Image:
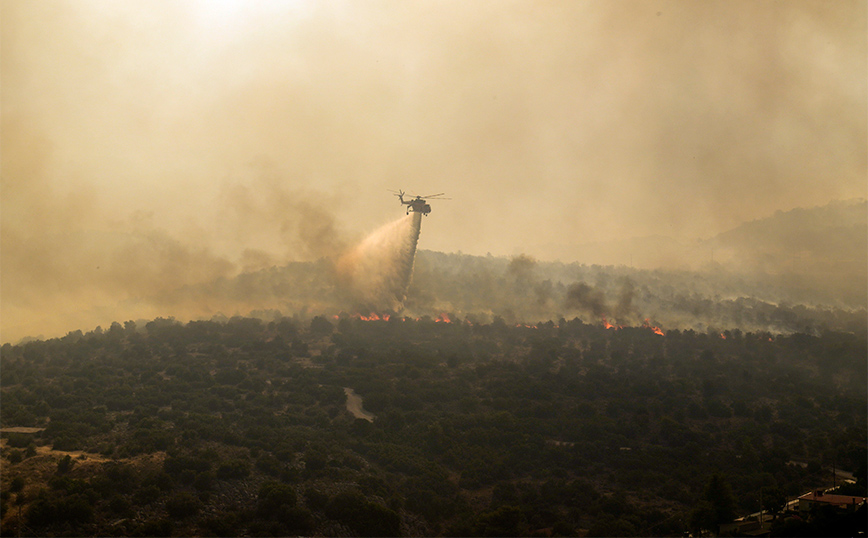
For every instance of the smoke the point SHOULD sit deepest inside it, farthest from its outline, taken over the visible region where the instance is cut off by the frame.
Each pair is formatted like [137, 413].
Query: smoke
[581, 296]
[377, 272]
[150, 147]
[624, 306]
[521, 269]
[481, 288]
[592, 300]
[71, 260]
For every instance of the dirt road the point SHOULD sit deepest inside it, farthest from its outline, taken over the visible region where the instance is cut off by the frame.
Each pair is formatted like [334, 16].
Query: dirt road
[354, 405]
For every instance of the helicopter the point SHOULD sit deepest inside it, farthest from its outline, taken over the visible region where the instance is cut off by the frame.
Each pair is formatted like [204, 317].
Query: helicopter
[418, 204]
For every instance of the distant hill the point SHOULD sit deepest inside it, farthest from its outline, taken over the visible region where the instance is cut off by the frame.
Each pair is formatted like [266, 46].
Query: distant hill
[834, 236]
[646, 252]
[823, 247]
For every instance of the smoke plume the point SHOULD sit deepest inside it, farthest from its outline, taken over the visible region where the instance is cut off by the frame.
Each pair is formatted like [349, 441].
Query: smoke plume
[581, 296]
[624, 306]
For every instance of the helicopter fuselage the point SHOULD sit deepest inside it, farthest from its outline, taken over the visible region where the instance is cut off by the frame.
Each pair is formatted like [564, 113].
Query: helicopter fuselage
[418, 206]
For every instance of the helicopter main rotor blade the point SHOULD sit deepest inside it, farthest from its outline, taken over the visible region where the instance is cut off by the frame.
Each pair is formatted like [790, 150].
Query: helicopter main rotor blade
[433, 195]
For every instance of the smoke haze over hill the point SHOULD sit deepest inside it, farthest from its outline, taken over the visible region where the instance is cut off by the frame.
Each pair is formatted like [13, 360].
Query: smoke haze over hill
[155, 152]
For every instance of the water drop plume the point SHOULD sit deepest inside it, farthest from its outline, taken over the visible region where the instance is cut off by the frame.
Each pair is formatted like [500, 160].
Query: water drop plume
[377, 272]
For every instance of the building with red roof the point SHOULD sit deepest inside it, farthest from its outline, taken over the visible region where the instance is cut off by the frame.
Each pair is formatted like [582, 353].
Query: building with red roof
[818, 498]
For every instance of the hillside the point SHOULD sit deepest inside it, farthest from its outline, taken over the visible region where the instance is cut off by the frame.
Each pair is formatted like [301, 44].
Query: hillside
[822, 247]
[243, 427]
[524, 290]
[820, 250]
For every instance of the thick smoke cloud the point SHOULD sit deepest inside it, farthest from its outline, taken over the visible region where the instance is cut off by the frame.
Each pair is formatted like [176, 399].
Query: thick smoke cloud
[154, 146]
[66, 264]
[581, 296]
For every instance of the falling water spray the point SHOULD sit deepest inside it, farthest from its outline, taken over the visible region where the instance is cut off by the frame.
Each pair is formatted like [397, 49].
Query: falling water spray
[377, 272]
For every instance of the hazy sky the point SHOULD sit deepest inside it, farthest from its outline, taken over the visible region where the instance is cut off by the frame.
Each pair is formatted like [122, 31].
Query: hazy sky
[156, 143]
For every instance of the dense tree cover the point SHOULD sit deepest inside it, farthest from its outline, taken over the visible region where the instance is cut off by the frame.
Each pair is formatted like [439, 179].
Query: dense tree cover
[241, 427]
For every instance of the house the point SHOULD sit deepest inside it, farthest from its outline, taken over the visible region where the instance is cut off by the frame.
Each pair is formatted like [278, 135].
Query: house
[818, 498]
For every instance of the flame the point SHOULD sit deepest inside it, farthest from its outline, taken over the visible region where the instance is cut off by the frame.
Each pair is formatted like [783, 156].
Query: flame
[655, 329]
[723, 336]
[443, 318]
[373, 316]
[608, 325]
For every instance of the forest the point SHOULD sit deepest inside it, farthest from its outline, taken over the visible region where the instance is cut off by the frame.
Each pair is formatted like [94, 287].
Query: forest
[241, 426]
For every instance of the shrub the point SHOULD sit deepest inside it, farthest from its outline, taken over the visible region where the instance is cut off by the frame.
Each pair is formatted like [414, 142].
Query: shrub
[15, 456]
[19, 440]
[316, 500]
[233, 469]
[46, 510]
[154, 527]
[147, 494]
[182, 505]
[273, 496]
[65, 464]
[17, 484]
[367, 518]
[121, 506]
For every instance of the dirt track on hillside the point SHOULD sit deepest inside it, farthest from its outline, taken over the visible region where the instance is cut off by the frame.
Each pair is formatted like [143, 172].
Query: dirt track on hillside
[354, 405]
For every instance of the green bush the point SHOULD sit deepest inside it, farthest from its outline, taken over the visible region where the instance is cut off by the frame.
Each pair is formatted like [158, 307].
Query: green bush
[48, 510]
[315, 500]
[365, 517]
[273, 496]
[146, 494]
[154, 527]
[15, 456]
[182, 505]
[233, 469]
[17, 484]
[121, 507]
[65, 464]
[19, 440]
